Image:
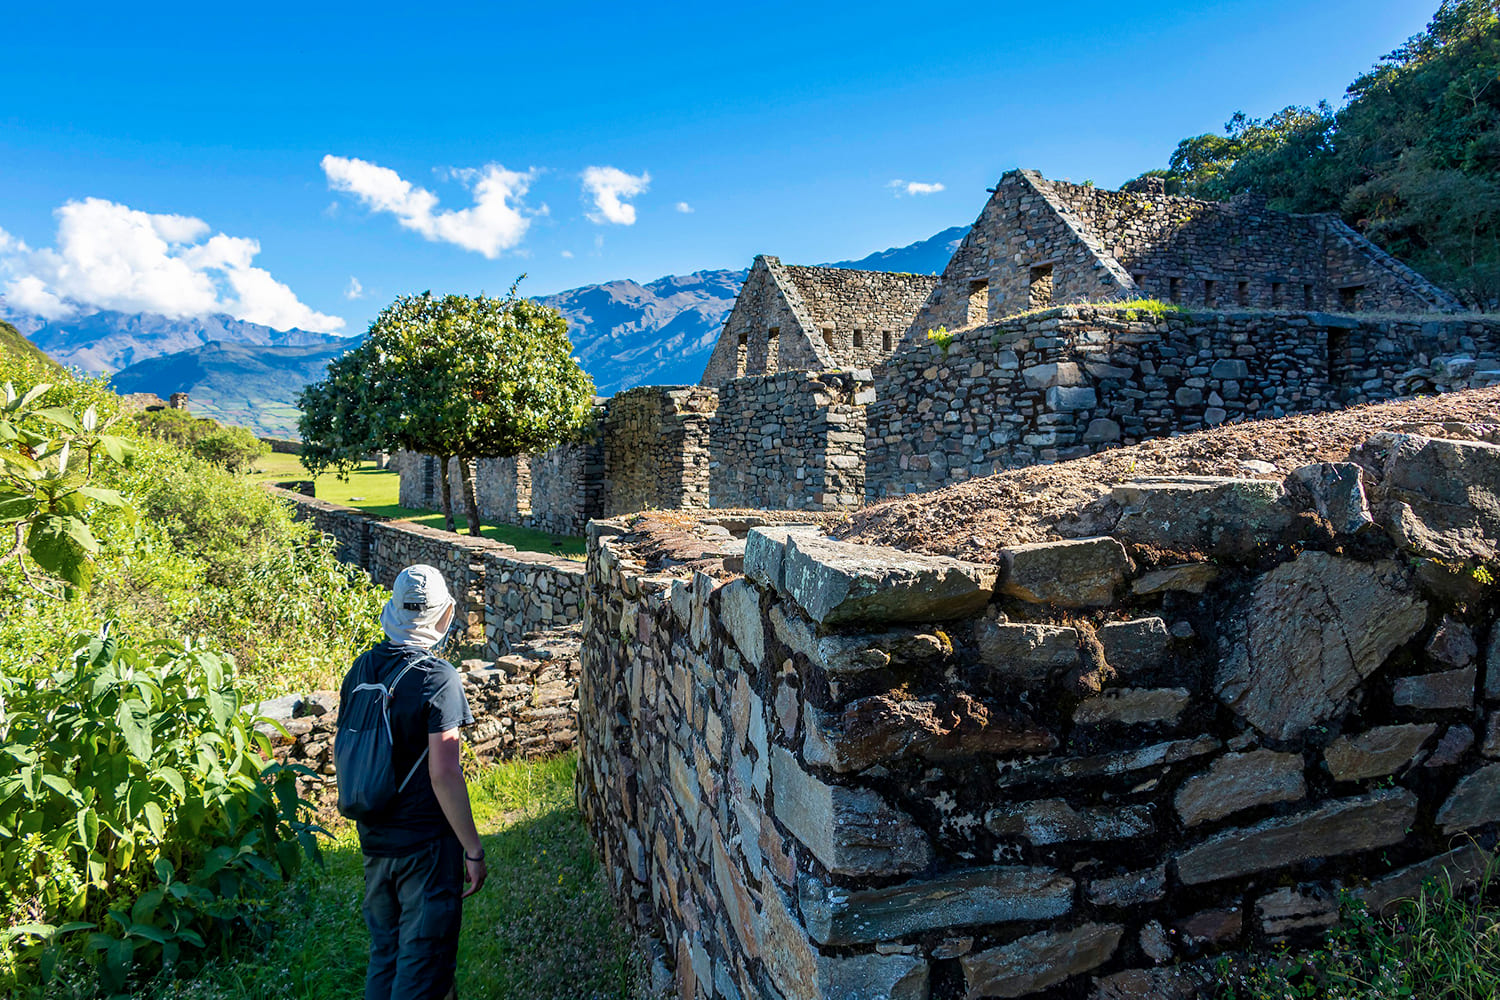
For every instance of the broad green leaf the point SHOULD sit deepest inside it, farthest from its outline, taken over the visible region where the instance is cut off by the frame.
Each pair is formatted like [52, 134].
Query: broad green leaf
[61, 416]
[37, 392]
[112, 498]
[134, 719]
[118, 449]
[88, 829]
[90, 418]
[16, 506]
[53, 546]
[173, 778]
[155, 821]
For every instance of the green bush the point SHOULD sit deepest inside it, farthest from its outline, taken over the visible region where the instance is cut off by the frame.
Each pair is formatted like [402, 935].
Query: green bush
[233, 448]
[139, 822]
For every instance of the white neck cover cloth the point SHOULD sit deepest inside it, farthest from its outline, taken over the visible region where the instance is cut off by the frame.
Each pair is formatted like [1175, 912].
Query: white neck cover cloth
[420, 609]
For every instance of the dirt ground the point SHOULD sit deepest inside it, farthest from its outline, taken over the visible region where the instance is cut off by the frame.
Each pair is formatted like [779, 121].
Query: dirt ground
[975, 519]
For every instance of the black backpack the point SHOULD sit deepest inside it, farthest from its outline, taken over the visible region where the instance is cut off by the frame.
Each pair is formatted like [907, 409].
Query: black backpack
[363, 748]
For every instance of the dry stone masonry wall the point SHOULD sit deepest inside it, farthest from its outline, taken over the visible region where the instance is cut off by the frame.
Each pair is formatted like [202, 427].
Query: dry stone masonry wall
[793, 441]
[657, 455]
[1084, 770]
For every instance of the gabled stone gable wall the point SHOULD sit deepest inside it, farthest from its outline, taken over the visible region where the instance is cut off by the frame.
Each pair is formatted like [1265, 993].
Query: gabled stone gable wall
[1388, 285]
[767, 300]
[793, 441]
[1021, 227]
[1087, 771]
[872, 303]
[1077, 380]
[656, 448]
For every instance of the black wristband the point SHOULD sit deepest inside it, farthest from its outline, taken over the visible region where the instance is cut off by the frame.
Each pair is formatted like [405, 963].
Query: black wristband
[480, 858]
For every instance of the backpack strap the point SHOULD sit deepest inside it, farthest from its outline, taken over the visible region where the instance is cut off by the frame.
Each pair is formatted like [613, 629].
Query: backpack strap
[391, 694]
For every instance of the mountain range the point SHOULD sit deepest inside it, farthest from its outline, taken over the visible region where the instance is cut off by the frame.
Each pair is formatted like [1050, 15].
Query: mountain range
[624, 334]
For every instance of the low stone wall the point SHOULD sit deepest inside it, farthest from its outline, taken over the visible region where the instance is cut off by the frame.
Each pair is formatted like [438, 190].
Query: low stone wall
[1077, 380]
[791, 441]
[656, 448]
[1087, 769]
[503, 594]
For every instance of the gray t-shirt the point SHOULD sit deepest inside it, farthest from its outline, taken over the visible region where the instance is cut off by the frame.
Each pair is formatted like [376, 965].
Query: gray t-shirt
[429, 699]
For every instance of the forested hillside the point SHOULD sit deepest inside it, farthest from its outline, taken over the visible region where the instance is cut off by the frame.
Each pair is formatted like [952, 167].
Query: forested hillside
[1412, 159]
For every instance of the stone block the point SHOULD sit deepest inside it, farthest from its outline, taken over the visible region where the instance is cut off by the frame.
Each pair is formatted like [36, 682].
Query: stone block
[1441, 498]
[852, 831]
[1030, 654]
[1376, 752]
[1210, 927]
[1033, 963]
[1131, 889]
[1214, 515]
[1188, 397]
[1191, 578]
[1475, 802]
[1310, 631]
[1135, 646]
[1338, 494]
[1170, 983]
[1463, 866]
[879, 728]
[1101, 430]
[1133, 707]
[765, 549]
[1055, 821]
[1341, 826]
[1491, 745]
[1444, 689]
[1159, 755]
[840, 583]
[989, 895]
[1230, 368]
[1069, 398]
[1240, 781]
[1452, 643]
[1451, 748]
[1081, 573]
[852, 654]
[739, 611]
[1056, 373]
[1290, 910]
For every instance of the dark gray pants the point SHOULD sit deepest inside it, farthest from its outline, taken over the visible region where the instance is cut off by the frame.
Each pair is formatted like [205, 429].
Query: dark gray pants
[413, 907]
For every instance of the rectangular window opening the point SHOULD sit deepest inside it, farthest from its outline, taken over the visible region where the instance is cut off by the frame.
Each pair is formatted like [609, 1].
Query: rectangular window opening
[885, 341]
[1242, 293]
[773, 340]
[1210, 293]
[1307, 297]
[741, 354]
[979, 301]
[1174, 289]
[828, 337]
[859, 337]
[1278, 294]
[1040, 287]
[1349, 297]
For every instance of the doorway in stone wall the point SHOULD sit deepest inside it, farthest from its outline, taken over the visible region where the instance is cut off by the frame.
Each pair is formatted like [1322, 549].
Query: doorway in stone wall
[979, 301]
[1039, 287]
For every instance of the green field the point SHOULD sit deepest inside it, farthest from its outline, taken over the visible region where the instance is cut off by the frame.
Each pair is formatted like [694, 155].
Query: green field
[378, 492]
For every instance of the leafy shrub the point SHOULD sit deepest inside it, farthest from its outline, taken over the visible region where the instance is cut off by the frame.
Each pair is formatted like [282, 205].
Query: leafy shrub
[231, 448]
[139, 822]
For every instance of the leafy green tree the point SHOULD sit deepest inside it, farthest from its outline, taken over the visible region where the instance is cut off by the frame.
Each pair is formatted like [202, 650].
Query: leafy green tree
[233, 448]
[455, 377]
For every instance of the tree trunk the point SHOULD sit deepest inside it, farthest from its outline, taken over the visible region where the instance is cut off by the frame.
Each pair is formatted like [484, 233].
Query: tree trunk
[467, 486]
[447, 492]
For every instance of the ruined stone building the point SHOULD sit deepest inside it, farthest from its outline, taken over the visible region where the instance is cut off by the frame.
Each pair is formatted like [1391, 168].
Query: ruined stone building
[1039, 243]
[793, 318]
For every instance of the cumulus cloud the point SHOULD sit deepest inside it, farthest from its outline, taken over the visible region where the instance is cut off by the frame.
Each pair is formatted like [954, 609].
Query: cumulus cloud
[914, 187]
[111, 256]
[497, 220]
[567, 254]
[355, 289]
[684, 208]
[609, 187]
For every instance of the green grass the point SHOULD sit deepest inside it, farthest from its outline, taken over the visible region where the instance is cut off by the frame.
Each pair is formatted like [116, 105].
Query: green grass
[378, 492]
[542, 928]
[14, 342]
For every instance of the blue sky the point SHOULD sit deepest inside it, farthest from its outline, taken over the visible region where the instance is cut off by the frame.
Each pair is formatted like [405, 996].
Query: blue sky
[272, 160]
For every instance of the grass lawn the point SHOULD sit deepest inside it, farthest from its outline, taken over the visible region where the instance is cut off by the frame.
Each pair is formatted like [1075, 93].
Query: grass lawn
[542, 928]
[378, 491]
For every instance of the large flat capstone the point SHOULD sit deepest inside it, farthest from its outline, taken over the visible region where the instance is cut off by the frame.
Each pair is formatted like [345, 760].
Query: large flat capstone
[1441, 498]
[841, 583]
[852, 831]
[1217, 515]
[1038, 961]
[1342, 826]
[1311, 630]
[988, 895]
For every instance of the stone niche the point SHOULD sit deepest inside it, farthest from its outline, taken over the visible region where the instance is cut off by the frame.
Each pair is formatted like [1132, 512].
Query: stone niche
[821, 770]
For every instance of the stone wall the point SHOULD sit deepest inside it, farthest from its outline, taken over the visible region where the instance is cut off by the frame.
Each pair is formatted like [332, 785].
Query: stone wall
[503, 595]
[503, 488]
[1075, 380]
[1085, 770]
[792, 441]
[859, 315]
[656, 448]
[567, 487]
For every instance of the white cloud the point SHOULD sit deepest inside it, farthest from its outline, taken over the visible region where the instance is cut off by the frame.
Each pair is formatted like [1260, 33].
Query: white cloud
[568, 254]
[608, 186]
[495, 222]
[914, 187]
[355, 289]
[684, 208]
[111, 256]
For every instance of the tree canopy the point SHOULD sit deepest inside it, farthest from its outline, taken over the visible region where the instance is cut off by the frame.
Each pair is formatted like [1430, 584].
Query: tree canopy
[1412, 159]
[456, 377]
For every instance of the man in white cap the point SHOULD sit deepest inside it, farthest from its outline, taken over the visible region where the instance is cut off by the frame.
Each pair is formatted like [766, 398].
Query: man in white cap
[422, 849]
